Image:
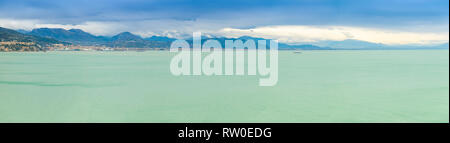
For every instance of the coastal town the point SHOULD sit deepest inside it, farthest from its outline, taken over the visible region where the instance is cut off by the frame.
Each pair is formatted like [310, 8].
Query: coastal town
[8, 46]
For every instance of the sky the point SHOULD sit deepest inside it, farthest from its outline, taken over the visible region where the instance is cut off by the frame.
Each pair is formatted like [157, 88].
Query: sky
[292, 21]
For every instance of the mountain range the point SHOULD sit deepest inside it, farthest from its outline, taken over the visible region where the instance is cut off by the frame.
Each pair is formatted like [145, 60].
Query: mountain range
[350, 44]
[124, 39]
[281, 46]
[12, 35]
[127, 39]
[20, 40]
[130, 40]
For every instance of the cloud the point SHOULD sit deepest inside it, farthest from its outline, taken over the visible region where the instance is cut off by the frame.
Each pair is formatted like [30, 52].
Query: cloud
[382, 13]
[306, 34]
[145, 28]
[18, 24]
[97, 28]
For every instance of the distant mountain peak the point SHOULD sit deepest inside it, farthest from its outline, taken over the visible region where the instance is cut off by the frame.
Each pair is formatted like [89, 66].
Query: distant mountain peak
[160, 38]
[48, 29]
[252, 38]
[126, 33]
[126, 36]
[77, 30]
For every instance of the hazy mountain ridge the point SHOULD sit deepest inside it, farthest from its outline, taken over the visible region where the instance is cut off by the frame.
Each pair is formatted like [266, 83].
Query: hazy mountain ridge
[281, 46]
[363, 45]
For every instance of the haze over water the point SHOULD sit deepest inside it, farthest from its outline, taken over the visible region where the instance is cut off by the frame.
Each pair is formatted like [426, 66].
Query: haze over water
[314, 86]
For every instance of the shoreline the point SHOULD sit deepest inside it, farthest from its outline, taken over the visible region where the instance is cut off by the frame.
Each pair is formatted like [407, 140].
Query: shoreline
[144, 50]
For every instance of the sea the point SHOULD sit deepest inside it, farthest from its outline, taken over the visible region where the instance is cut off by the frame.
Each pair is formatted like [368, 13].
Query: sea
[335, 86]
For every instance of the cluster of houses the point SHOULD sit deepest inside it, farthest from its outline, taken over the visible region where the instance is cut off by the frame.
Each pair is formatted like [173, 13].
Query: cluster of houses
[6, 46]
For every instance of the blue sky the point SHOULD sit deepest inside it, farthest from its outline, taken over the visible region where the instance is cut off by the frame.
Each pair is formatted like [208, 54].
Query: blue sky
[178, 18]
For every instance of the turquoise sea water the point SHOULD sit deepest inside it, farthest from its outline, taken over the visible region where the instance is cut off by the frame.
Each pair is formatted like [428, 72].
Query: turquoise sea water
[314, 86]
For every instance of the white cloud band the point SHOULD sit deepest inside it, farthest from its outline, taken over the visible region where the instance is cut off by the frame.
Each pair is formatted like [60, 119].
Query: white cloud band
[300, 34]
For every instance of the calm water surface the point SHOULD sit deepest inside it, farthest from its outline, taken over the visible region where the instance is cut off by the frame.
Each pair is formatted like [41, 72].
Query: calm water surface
[314, 86]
